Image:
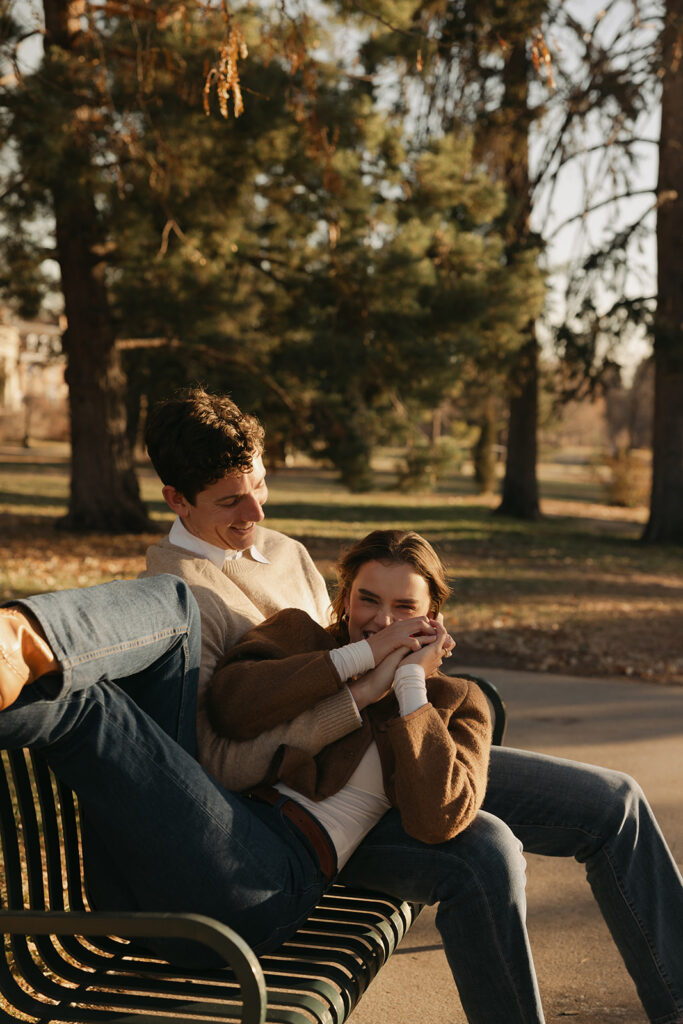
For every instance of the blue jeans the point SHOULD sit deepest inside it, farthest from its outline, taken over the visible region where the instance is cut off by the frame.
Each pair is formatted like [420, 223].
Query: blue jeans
[159, 833]
[562, 809]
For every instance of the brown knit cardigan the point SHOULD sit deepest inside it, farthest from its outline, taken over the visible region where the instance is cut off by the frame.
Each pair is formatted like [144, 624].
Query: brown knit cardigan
[434, 761]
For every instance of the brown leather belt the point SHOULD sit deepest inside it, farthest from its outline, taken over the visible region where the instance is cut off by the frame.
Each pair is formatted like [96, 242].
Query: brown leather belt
[306, 824]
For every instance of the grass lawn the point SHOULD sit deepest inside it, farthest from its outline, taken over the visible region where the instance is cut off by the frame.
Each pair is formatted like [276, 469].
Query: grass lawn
[575, 592]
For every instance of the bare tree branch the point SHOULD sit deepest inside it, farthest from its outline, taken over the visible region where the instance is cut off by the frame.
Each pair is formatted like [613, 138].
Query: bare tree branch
[607, 202]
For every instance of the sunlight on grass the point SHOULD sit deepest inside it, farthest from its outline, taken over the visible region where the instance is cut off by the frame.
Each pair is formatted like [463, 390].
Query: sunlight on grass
[561, 593]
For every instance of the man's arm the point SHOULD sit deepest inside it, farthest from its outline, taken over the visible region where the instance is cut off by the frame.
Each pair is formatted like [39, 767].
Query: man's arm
[227, 614]
[236, 764]
[239, 765]
[278, 670]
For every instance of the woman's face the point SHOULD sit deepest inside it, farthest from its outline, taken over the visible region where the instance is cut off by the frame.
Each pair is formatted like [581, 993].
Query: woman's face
[382, 593]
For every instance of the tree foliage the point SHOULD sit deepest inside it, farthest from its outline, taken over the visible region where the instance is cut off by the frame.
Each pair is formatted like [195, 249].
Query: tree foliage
[310, 255]
[343, 254]
[606, 70]
[474, 67]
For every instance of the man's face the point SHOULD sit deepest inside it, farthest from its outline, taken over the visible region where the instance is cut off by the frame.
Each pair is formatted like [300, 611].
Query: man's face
[226, 512]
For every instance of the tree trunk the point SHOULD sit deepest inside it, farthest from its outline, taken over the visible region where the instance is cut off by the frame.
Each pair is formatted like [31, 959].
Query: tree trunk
[483, 453]
[520, 485]
[666, 503]
[104, 490]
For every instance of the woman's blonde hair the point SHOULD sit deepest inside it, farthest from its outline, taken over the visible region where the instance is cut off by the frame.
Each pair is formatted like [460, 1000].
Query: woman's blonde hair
[391, 547]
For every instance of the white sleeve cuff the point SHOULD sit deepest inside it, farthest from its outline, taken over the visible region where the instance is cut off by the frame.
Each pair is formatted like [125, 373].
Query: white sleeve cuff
[410, 687]
[353, 659]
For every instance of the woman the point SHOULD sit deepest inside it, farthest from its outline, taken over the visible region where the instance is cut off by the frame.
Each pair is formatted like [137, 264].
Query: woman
[422, 739]
[471, 865]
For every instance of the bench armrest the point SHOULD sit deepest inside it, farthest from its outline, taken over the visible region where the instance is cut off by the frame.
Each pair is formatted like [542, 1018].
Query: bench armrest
[196, 927]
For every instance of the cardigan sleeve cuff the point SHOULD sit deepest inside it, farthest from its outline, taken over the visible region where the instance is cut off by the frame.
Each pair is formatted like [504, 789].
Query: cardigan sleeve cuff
[337, 716]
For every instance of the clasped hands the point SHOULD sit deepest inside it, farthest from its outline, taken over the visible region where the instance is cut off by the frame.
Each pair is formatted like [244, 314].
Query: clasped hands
[415, 641]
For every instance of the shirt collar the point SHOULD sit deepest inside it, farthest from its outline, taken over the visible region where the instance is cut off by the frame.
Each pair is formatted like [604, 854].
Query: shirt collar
[182, 538]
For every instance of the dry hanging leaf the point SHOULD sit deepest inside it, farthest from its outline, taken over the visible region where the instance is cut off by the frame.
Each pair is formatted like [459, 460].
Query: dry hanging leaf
[225, 73]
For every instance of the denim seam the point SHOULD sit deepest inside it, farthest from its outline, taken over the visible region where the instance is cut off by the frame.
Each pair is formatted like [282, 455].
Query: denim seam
[641, 928]
[186, 669]
[551, 825]
[103, 652]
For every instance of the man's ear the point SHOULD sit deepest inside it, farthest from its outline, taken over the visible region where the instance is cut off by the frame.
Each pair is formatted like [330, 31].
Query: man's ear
[177, 502]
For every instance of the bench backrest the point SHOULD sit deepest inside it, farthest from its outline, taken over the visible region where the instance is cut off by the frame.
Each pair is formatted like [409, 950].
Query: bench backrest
[40, 836]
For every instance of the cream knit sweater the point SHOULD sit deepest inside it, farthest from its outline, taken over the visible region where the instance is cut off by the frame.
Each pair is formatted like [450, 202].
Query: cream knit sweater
[231, 601]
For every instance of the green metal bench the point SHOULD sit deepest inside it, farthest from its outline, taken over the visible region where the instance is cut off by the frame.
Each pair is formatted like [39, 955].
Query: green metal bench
[63, 962]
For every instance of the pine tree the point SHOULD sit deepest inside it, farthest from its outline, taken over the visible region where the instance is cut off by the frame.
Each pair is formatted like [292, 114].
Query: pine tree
[97, 159]
[311, 256]
[471, 64]
[50, 116]
[334, 279]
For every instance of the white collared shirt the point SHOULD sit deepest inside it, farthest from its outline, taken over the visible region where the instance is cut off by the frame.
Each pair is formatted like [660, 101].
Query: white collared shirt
[182, 538]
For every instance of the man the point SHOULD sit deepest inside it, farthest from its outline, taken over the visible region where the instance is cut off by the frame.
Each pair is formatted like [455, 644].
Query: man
[209, 456]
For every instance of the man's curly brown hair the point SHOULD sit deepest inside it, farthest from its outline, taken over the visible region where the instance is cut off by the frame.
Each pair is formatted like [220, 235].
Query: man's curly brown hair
[195, 439]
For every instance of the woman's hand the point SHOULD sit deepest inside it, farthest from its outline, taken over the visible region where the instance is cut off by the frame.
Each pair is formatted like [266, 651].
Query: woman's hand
[374, 685]
[406, 634]
[431, 655]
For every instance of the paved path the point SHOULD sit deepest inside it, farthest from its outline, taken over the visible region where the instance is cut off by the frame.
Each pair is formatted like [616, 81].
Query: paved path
[634, 727]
